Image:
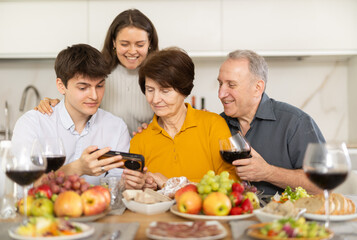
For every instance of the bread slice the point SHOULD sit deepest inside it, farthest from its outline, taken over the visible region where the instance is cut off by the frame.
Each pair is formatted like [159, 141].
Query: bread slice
[352, 207]
[158, 196]
[344, 205]
[337, 203]
[143, 197]
[130, 194]
[312, 204]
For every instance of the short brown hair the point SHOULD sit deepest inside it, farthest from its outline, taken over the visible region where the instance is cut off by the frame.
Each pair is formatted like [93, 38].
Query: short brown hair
[128, 18]
[80, 59]
[171, 67]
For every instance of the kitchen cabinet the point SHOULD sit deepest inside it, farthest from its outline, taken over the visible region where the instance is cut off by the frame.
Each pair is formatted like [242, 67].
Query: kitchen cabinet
[315, 26]
[193, 25]
[204, 28]
[40, 29]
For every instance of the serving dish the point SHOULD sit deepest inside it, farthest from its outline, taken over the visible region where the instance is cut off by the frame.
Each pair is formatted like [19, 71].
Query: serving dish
[270, 217]
[87, 231]
[333, 218]
[175, 211]
[254, 232]
[148, 209]
[222, 234]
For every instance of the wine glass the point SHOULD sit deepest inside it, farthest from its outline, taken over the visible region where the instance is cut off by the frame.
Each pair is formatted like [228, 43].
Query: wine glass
[234, 147]
[327, 166]
[53, 150]
[24, 166]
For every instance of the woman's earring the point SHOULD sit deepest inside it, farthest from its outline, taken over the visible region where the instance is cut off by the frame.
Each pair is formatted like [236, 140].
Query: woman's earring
[114, 48]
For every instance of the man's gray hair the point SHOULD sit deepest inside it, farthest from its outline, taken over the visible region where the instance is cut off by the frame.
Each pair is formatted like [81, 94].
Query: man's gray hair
[257, 64]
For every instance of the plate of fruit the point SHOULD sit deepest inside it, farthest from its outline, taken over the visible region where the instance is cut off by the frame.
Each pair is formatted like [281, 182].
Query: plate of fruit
[215, 197]
[41, 228]
[67, 196]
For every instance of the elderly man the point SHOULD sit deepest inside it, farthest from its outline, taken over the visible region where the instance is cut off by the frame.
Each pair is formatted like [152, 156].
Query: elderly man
[278, 132]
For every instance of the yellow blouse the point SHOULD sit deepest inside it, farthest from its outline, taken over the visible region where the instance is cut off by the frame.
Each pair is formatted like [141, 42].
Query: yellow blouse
[191, 153]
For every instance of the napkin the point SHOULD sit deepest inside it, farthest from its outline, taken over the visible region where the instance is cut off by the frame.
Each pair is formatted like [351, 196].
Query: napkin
[344, 230]
[238, 228]
[127, 230]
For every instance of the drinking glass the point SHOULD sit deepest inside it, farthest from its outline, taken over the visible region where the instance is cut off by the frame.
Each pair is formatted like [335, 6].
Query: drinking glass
[53, 150]
[25, 166]
[234, 147]
[327, 166]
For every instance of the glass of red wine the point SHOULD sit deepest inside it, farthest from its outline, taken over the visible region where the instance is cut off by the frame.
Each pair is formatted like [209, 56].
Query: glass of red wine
[24, 166]
[234, 147]
[53, 150]
[327, 165]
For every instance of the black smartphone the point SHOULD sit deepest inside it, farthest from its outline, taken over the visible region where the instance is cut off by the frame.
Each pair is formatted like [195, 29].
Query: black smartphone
[132, 161]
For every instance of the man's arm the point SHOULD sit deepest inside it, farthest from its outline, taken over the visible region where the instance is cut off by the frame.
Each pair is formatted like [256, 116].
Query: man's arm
[257, 169]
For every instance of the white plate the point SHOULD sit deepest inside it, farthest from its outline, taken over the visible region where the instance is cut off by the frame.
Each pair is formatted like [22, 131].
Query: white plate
[174, 210]
[333, 218]
[148, 209]
[90, 218]
[219, 236]
[87, 231]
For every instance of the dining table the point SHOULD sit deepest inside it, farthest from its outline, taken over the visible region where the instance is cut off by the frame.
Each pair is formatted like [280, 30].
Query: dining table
[133, 225]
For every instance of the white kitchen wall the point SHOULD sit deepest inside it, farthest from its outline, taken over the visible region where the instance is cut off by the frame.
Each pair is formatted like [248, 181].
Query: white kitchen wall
[318, 86]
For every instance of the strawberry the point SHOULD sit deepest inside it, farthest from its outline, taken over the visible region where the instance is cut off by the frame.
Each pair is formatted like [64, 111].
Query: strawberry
[237, 187]
[236, 198]
[247, 206]
[236, 211]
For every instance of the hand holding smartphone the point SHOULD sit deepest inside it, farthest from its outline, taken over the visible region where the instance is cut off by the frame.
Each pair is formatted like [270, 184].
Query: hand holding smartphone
[132, 161]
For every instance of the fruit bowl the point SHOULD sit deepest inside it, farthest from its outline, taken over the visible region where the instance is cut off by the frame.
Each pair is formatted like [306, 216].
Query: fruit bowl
[148, 209]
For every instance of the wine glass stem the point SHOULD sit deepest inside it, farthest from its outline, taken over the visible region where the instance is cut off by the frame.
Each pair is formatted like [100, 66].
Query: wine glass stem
[327, 208]
[25, 205]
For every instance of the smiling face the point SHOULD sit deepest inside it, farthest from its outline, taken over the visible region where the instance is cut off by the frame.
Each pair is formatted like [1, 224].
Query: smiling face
[165, 102]
[239, 91]
[83, 95]
[132, 46]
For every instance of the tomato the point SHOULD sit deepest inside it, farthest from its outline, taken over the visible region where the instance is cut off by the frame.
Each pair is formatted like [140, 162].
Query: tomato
[271, 233]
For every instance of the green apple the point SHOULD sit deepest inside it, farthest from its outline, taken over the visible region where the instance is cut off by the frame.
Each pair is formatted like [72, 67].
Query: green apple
[42, 207]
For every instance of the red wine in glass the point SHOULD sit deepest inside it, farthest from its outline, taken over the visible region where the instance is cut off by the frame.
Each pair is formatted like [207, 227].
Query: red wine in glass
[234, 147]
[54, 162]
[230, 156]
[53, 150]
[327, 166]
[24, 178]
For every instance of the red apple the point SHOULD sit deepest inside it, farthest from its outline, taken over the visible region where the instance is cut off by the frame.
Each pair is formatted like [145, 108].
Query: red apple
[189, 202]
[217, 204]
[187, 188]
[69, 204]
[93, 202]
[105, 192]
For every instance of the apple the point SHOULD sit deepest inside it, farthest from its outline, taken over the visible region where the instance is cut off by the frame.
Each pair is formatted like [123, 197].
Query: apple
[217, 204]
[42, 207]
[69, 204]
[20, 205]
[105, 192]
[93, 201]
[187, 188]
[189, 202]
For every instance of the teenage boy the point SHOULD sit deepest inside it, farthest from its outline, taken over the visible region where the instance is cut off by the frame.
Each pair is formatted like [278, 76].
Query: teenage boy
[83, 127]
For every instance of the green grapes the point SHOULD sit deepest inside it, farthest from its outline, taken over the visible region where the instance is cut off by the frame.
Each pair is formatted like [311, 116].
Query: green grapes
[211, 182]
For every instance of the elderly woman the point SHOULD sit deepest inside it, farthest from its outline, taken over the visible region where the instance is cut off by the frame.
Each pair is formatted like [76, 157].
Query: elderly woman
[180, 140]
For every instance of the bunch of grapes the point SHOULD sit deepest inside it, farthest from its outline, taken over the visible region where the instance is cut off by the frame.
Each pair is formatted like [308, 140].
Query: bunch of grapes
[214, 183]
[59, 183]
[248, 187]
